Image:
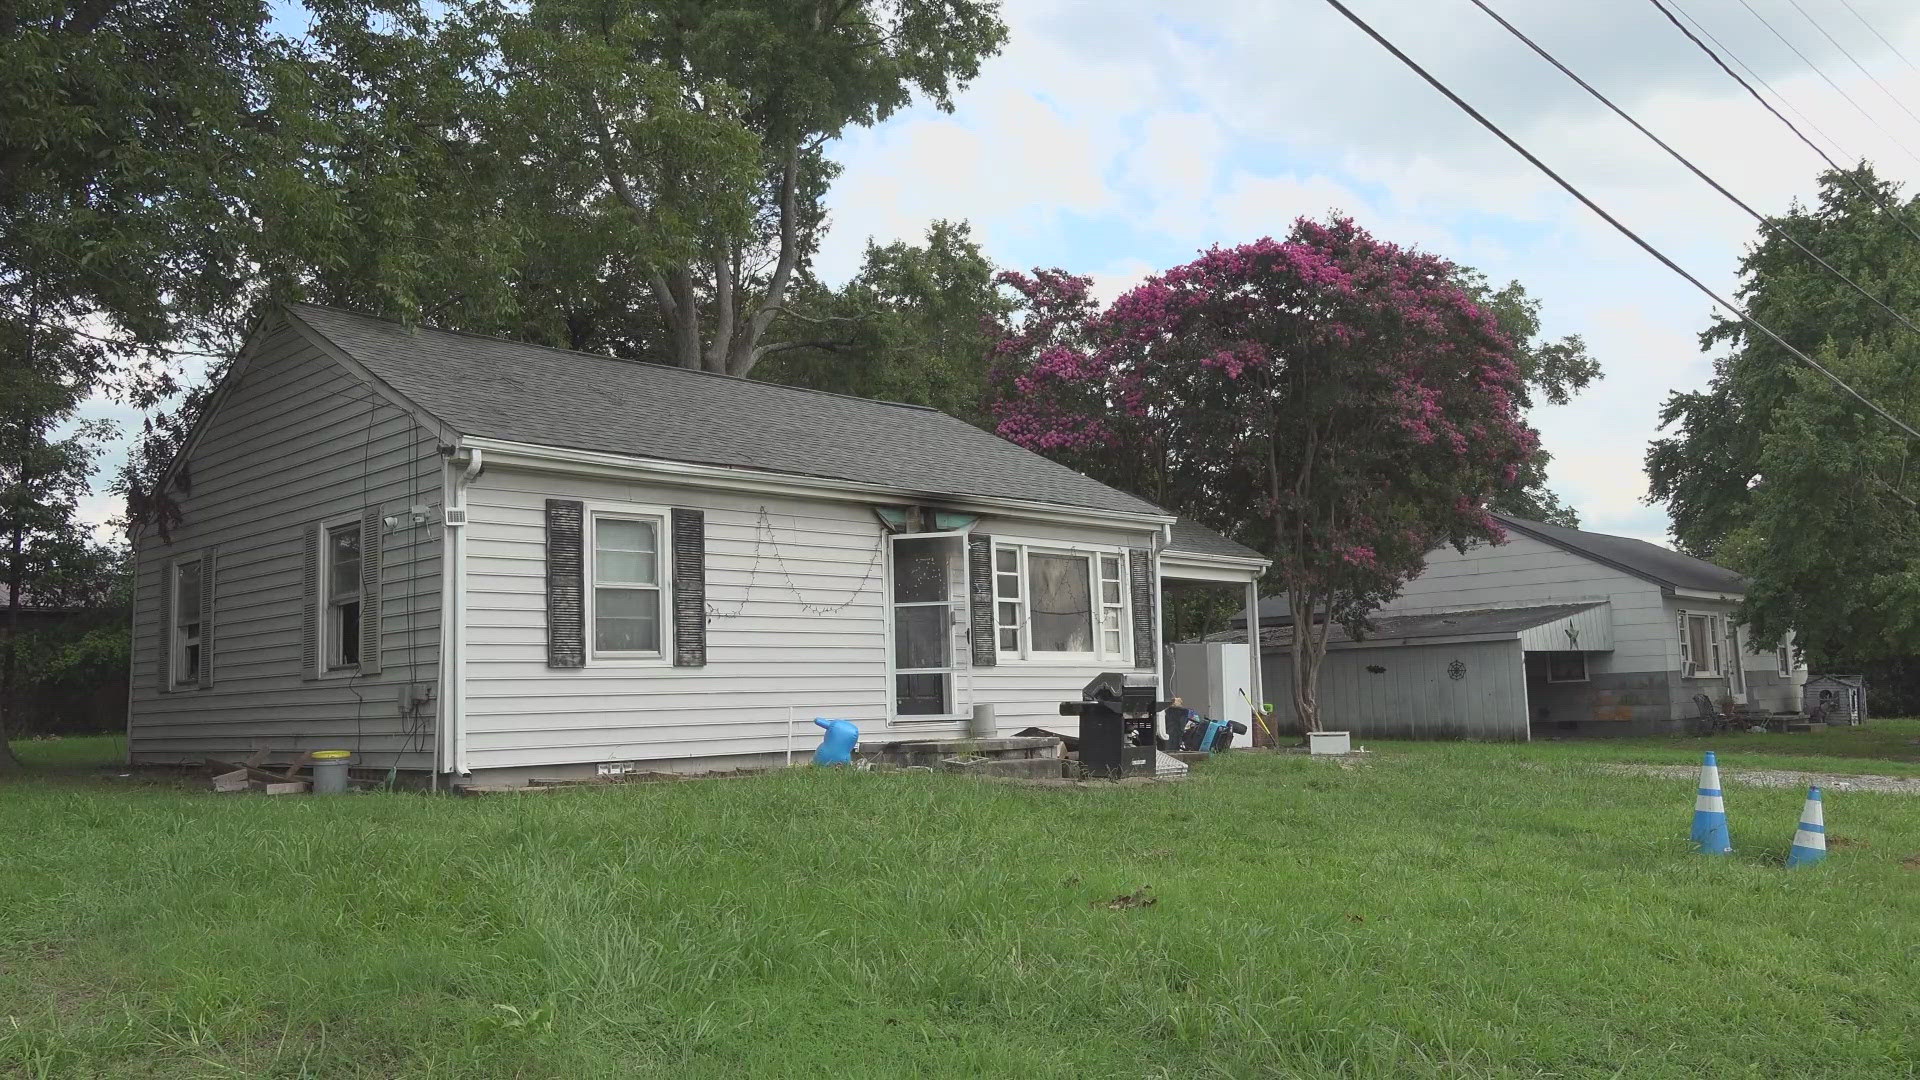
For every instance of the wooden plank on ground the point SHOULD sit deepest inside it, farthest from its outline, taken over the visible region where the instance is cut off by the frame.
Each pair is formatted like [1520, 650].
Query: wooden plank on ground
[231, 781]
[261, 775]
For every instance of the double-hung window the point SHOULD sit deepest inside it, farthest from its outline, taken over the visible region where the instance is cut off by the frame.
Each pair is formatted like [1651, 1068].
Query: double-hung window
[1053, 604]
[1783, 657]
[1113, 606]
[340, 588]
[187, 622]
[626, 576]
[1700, 646]
[1009, 606]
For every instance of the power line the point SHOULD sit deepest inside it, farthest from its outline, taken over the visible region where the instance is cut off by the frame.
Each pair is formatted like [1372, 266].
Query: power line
[1568, 187]
[1883, 38]
[1816, 69]
[1764, 221]
[1856, 63]
[1756, 77]
[1867, 190]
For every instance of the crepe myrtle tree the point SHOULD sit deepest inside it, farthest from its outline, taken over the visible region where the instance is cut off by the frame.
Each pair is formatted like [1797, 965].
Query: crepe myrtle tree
[1337, 401]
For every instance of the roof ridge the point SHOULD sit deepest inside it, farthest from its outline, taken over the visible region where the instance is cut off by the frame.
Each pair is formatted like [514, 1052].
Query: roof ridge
[615, 359]
[1581, 542]
[1662, 548]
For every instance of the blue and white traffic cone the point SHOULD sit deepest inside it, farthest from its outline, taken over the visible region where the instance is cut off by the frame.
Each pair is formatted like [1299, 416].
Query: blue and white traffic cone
[1710, 836]
[1810, 839]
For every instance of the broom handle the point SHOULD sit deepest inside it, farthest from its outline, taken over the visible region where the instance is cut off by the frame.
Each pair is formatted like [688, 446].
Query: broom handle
[1259, 717]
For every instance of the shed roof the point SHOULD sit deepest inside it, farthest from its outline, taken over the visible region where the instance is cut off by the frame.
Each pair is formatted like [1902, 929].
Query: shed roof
[1651, 562]
[495, 388]
[1477, 622]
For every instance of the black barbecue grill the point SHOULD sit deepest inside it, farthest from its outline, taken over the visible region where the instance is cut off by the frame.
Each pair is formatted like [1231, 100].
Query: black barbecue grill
[1117, 727]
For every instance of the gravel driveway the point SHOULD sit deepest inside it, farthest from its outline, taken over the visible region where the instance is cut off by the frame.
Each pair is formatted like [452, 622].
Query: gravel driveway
[1789, 778]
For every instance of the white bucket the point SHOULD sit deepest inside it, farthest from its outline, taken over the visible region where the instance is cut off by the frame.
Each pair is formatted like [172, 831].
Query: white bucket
[1330, 742]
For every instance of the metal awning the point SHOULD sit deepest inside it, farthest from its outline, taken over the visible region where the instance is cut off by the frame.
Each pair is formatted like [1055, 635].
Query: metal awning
[1583, 627]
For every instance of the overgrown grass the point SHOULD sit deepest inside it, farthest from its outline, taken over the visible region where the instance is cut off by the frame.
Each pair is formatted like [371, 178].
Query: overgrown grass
[1440, 912]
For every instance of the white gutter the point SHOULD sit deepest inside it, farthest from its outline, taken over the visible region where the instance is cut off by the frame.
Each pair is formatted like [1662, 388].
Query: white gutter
[1700, 594]
[1196, 558]
[620, 466]
[452, 744]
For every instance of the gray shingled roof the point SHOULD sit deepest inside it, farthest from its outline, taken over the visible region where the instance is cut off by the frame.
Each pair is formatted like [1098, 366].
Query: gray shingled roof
[1477, 622]
[499, 389]
[1195, 538]
[1662, 566]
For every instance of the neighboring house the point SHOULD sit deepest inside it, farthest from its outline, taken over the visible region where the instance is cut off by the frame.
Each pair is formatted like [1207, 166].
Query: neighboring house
[469, 556]
[1556, 630]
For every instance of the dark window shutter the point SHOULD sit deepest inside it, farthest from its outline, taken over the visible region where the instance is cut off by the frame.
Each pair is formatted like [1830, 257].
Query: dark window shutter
[209, 563]
[566, 586]
[689, 588]
[370, 625]
[164, 668]
[980, 627]
[310, 554]
[1146, 638]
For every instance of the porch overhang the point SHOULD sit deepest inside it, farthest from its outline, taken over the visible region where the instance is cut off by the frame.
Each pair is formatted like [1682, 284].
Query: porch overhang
[1193, 566]
[1590, 629]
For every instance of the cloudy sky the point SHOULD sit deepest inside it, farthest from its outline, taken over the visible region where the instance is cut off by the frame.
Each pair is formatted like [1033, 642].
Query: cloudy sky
[1117, 137]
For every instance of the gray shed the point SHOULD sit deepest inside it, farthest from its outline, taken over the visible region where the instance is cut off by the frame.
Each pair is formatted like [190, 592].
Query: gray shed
[1838, 699]
[1443, 674]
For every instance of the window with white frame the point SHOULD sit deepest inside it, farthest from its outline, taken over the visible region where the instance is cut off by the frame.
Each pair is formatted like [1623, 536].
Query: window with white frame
[1565, 667]
[1009, 609]
[1783, 658]
[1113, 606]
[340, 588]
[1051, 603]
[1059, 603]
[187, 622]
[626, 576]
[1700, 645]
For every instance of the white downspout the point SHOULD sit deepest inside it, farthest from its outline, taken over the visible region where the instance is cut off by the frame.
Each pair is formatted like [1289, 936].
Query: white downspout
[1257, 677]
[133, 644]
[453, 630]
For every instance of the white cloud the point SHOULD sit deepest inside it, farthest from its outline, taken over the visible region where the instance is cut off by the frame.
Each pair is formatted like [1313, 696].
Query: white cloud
[1116, 139]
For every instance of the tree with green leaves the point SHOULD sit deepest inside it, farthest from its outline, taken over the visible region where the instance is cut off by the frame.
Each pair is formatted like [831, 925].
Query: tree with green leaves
[685, 142]
[1553, 370]
[1773, 472]
[917, 325]
[47, 557]
[128, 134]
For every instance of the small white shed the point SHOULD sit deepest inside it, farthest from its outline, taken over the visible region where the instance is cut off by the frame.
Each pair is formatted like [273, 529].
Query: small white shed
[1837, 699]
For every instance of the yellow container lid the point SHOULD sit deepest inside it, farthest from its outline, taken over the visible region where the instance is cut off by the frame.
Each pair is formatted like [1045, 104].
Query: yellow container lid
[330, 755]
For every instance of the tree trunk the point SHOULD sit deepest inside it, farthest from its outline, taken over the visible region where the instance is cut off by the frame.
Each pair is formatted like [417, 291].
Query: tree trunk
[1309, 649]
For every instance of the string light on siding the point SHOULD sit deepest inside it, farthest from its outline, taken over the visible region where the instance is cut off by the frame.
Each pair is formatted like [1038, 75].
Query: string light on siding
[766, 540]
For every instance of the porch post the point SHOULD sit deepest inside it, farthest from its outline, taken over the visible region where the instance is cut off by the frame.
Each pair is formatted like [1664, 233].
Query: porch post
[1256, 690]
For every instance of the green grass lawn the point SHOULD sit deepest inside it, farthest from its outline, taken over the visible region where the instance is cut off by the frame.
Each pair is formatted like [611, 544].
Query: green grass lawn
[1449, 910]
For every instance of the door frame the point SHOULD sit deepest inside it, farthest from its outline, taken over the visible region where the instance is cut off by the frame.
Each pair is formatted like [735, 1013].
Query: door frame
[960, 656]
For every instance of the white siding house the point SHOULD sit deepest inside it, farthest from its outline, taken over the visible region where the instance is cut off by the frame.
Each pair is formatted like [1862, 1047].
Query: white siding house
[1656, 631]
[470, 557]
